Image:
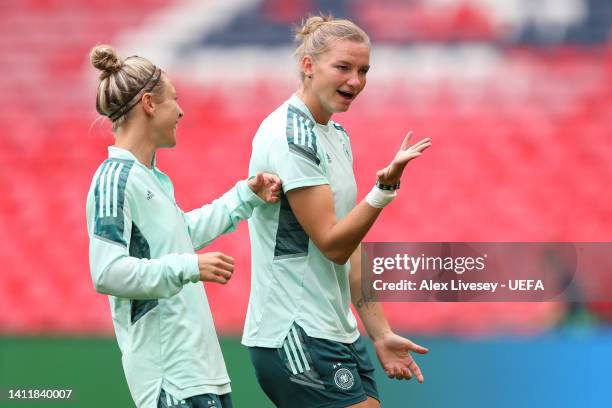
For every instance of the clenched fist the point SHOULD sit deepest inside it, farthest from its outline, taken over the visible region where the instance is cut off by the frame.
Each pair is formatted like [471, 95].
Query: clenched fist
[215, 267]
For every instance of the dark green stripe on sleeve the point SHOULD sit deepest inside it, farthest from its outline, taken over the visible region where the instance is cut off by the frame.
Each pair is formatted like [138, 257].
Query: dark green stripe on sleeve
[301, 137]
[139, 248]
[109, 194]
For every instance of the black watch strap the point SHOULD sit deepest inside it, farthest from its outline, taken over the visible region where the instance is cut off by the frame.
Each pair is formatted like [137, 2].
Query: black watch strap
[389, 187]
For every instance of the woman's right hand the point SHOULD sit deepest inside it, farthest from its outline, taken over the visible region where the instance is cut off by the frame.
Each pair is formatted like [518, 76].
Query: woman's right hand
[215, 267]
[393, 172]
[267, 186]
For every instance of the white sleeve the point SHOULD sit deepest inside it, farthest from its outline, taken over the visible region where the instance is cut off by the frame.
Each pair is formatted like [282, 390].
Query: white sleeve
[113, 271]
[135, 278]
[222, 215]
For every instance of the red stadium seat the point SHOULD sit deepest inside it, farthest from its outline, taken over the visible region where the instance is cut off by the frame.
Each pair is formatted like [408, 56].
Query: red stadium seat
[522, 154]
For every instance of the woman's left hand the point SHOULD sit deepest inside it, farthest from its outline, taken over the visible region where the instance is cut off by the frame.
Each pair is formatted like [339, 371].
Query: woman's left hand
[267, 186]
[393, 352]
[393, 172]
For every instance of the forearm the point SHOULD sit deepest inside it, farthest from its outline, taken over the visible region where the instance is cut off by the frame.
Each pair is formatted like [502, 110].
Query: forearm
[373, 319]
[344, 236]
[135, 278]
[337, 239]
[369, 311]
[222, 215]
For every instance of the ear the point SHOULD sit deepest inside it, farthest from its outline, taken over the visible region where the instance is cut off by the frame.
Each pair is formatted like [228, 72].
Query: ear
[147, 103]
[307, 63]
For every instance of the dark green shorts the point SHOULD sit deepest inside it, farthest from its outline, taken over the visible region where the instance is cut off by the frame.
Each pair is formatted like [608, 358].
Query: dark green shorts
[311, 372]
[197, 401]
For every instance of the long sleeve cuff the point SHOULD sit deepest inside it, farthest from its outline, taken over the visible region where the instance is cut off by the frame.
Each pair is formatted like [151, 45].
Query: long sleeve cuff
[247, 195]
[193, 267]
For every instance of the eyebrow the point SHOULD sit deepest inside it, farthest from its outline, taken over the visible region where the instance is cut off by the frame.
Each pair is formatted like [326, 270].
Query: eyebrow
[348, 63]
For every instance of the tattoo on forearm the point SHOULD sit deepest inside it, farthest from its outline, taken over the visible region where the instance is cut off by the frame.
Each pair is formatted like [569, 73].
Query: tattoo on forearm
[366, 296]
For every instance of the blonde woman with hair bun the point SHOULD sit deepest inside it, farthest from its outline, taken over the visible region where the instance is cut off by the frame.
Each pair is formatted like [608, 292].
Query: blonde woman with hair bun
[306, 255]
[143, 247]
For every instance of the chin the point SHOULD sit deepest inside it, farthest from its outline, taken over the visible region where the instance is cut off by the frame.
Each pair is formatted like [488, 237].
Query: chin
[342, 108]
[169, 143]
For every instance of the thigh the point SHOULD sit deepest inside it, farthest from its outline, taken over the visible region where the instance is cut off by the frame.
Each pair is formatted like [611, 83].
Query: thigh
[308, 372]
[211, 401]
[365, 368]
[369, 403]
[166, 400]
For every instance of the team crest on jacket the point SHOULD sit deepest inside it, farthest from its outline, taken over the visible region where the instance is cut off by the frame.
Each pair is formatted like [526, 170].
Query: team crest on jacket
[344, 379]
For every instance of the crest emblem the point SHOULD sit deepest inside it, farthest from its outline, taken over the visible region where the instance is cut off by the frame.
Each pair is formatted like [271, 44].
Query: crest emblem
[344, 379]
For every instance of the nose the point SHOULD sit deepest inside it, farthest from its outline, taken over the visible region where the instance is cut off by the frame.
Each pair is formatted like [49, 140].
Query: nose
[354, 80]
[181, 114]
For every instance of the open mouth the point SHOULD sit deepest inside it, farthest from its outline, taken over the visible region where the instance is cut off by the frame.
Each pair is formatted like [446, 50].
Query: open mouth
[349, 96]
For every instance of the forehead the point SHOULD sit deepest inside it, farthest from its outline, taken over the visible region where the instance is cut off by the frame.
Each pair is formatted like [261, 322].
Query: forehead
[168, 88]
[350, 51]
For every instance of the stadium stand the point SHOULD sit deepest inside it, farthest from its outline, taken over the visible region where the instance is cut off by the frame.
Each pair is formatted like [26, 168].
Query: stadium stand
[521, 120]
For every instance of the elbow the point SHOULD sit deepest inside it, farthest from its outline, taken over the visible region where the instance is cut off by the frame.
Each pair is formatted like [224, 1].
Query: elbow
[334, 250]
[341, 260]
[337, 256]
[101, 287]
[101, 284]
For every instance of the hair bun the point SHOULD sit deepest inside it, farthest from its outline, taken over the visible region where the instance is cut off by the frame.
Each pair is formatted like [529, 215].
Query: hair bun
[104, 58]
[311, 24]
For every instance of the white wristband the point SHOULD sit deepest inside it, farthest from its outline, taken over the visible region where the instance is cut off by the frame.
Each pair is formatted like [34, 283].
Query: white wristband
[378, 198]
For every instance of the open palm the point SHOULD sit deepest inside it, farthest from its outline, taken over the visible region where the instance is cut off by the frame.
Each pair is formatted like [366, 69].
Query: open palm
[393, 352]
[393, 172]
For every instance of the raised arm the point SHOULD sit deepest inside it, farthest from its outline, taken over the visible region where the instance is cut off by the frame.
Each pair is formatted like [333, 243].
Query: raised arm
[314, 209]
[223, 214]
[337, 240]
[119, 256]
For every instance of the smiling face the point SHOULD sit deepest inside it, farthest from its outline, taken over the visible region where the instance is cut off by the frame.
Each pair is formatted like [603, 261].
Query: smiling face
[167, 115]
[335, 78]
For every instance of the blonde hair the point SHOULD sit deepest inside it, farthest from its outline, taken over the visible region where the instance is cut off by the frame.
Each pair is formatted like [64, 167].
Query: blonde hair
[122, 82]
[316, 34]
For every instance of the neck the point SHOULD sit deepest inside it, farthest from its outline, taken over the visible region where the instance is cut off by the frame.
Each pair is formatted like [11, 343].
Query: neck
[317, 111]
[136, 143]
